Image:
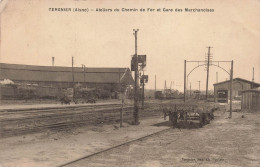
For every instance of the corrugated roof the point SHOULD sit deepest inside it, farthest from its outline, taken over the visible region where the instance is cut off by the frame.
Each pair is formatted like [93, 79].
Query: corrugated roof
[19, 72]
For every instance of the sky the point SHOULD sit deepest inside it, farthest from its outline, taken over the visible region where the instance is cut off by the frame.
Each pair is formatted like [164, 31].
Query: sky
[31, 34]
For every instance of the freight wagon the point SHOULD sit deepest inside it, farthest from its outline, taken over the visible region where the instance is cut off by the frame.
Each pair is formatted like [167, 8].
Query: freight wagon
[192, 112]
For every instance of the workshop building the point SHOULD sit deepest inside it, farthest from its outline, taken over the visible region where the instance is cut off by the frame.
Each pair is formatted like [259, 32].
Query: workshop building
[65, 77]
[222, 89]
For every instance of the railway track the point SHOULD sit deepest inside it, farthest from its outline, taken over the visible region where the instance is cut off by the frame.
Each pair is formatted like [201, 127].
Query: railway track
[114, 147]
[52, 112]
[103, 155]
[43, 120]
[175, 136]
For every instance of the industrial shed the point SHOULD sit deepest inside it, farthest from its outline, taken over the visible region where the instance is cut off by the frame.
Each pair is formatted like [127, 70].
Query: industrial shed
[62, 77]
[222, 89]
[251, 100]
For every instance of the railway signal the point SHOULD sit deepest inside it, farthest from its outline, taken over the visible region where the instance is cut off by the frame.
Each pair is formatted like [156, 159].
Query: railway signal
[141, 61]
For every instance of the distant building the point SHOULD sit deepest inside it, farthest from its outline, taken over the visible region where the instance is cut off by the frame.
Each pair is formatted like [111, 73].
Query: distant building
[62, 77]
[222, 89]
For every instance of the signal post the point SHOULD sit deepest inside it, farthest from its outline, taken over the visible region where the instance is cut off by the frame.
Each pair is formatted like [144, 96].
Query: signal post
[136, 59]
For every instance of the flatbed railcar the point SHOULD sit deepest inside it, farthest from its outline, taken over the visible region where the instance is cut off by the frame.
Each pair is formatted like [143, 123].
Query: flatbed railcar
[203, 113]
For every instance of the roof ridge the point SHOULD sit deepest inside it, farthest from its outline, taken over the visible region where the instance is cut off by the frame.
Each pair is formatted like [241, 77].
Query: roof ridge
[238, 78]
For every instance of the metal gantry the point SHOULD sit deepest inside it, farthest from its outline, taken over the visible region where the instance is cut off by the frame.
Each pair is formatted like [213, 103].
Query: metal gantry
[199, 65]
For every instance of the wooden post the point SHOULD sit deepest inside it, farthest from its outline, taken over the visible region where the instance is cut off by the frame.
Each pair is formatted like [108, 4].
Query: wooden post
[143, 91]
[122, 107]
[121, 113]
[174, 116]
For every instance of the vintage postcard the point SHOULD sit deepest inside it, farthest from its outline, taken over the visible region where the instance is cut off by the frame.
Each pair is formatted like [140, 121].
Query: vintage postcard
[129, 83]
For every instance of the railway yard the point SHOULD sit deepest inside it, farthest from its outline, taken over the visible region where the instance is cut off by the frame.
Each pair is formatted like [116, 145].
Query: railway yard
[89, 135]
[129, 83]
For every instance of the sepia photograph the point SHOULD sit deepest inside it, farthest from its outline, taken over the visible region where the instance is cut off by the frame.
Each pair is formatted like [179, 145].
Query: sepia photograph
[129, 83]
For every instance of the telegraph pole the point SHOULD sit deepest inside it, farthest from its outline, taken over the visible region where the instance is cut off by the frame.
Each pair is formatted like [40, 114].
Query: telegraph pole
[207, 83]
[143, 91]
[136, 87]
[184, 81]
[199, 89]
[72, 63]
[231, 87]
